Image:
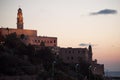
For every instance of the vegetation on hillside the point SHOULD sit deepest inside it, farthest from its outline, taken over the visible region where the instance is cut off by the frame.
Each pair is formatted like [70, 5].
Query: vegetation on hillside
[16, 58]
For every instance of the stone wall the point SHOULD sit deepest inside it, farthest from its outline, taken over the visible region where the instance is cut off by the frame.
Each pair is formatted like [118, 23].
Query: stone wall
[36, 40]
[6, 31]
[30, 37]
[98, 69]
[73, 55]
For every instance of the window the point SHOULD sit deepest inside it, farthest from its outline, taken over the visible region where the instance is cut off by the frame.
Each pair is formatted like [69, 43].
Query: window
[69, 51]
[71, 58]
[54, 41]
[38, 40]
[35, 40]
[50, 41]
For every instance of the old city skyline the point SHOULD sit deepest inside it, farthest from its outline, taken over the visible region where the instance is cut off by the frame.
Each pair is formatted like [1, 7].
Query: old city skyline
[50, 23]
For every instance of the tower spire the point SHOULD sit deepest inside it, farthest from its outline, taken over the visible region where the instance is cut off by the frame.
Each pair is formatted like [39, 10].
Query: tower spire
[90, 53]
[19, 19]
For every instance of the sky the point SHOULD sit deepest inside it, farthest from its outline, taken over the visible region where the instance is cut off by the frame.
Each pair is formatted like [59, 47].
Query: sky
[73, 22]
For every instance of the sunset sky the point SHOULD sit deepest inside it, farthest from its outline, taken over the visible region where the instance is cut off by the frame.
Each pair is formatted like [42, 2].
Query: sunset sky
[73, 22]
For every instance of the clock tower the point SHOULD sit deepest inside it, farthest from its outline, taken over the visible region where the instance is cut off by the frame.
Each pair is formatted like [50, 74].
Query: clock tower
[19, 19]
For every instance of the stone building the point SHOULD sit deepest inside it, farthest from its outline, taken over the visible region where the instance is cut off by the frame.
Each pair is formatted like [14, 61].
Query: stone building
[73, 55]
[97, 69]
[77, 55]
[36, 40]
[29, 36]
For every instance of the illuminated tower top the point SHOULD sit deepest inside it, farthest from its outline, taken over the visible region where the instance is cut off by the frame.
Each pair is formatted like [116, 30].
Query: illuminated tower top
[19, 19]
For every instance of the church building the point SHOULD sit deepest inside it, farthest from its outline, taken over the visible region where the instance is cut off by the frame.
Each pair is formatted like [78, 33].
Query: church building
[30, 36]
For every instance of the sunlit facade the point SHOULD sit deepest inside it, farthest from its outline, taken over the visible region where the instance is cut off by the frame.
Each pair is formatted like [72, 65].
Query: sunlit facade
[28, 36]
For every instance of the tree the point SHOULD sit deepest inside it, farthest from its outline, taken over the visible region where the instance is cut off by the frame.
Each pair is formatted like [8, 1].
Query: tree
[46, 57]
[22, 36]
[13, 65]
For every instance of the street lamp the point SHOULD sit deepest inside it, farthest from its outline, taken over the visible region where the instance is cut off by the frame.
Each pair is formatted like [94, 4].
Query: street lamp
[76, 67]
[89, 70]
[53, 66]
[94, 69]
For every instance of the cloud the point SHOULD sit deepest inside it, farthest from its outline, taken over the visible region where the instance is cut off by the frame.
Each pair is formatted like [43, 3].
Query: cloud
[104, 12]
[86, 44]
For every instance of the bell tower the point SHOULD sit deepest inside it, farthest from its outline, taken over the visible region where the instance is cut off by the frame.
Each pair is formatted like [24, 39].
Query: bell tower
[19, 19]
